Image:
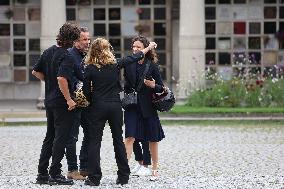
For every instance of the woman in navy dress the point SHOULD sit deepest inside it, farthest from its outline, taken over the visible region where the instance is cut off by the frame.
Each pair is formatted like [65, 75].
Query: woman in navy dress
[142, 121]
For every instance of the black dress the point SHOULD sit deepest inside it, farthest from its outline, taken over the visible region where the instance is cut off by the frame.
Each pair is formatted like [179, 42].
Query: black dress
[142, 121]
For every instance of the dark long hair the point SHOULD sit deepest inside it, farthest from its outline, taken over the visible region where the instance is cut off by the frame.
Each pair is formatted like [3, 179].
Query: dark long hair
[68, 33]
[152, 55]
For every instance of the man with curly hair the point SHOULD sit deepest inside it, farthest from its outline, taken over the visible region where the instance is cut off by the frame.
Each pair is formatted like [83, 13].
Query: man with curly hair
[55, 68]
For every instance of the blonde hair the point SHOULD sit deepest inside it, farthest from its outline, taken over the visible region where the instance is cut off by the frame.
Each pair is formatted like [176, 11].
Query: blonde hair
[100, 53]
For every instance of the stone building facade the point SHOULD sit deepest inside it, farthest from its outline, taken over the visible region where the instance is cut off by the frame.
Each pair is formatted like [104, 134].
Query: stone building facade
[196, 38]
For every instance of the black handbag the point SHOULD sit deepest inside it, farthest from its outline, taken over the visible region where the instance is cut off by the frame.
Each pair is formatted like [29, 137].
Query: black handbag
[164, 101]
[130, 99]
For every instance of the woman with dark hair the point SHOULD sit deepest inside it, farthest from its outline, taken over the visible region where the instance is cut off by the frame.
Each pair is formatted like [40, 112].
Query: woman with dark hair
[141, 120]
[102, 72]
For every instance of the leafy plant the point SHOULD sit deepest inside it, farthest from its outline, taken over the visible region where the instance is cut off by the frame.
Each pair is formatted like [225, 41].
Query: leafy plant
[240, 93]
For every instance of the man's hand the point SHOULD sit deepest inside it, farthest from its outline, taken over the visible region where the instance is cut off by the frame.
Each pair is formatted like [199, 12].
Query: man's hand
[63, 86]
[71, 104]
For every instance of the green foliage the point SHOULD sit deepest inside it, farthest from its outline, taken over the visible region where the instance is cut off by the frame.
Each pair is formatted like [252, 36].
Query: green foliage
[240, 93]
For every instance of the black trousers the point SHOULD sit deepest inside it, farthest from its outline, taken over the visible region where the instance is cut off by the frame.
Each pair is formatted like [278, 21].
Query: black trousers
[83, 157]
[71, 156]
[142, 152]
[59, 122]
[102, 112]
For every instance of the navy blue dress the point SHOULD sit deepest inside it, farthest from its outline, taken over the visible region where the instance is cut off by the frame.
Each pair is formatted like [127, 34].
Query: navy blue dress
[137, 125]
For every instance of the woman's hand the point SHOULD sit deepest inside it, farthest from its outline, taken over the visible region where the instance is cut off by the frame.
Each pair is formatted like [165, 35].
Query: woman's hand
[152, 45]
[150, 83]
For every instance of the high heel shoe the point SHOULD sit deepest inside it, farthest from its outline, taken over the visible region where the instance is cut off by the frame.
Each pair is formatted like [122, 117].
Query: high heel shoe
[154, 176]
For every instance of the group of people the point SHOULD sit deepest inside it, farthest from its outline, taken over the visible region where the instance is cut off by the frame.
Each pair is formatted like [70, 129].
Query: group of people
[75, 59]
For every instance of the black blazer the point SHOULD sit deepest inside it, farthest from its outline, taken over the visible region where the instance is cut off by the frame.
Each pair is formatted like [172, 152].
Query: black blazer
[105, 80]
[145, 93]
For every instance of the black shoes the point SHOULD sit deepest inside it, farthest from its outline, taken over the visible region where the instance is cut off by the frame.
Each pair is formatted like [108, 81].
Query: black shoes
[92, 182]
[122, 182]
[42, 178]
[59, 180]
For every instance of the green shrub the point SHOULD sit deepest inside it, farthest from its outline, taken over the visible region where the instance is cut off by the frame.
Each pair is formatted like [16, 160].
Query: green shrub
[240, 93]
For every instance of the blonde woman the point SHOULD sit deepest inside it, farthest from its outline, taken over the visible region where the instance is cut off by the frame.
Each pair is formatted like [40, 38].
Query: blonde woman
[102, 71]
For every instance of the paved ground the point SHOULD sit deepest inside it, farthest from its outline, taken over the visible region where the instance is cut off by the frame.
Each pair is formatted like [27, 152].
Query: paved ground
[250, 157]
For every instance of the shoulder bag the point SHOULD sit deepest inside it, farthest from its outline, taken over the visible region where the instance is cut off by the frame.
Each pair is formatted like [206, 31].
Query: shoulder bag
[130, 99]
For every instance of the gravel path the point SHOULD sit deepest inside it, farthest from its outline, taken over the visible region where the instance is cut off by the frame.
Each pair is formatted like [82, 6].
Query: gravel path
[190, 157]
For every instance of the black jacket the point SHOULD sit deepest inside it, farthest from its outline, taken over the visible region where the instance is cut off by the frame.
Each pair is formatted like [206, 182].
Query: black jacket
[105, 80]
[145, 93]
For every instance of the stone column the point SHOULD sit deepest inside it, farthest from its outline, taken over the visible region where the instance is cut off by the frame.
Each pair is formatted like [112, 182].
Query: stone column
[53, 16]
[191, 47]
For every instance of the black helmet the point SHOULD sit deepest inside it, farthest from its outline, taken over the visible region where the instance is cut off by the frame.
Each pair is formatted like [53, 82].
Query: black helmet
[165, 101]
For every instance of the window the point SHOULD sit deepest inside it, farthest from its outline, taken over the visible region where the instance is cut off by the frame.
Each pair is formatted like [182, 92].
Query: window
[99, 14]
[269, 27]
[20, 75]
[34, 14]
[244, 33]
[120, 20]
[144, 2]
[210, 28]
[34, 44]
[144, 13]
[210, 59]
[4, 29]
[281, 12]
[19, 60]
[99, 30]
[254, 43]
[161, 42]
[114, 14]
[159, 29]
[210, 43]
[224, 58]
[210, 13]
[159, 13]
[239, 28]
[224, 1]
[254, 28]
[4, 45]
[114, 30]
[270, 12]
[19, 40]
[19, 29]
[4, 2]
[115, 44]
[70, 14]
[19, 44]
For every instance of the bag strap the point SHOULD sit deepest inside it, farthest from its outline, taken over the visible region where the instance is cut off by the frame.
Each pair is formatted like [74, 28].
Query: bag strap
[143, 77]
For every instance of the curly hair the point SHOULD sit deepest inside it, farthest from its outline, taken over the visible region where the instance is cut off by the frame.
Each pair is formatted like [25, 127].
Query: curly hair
[100, 53]
[68, 33]
[152, 55]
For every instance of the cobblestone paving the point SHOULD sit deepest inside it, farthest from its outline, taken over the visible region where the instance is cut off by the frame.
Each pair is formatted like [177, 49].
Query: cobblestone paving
[190, 157]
